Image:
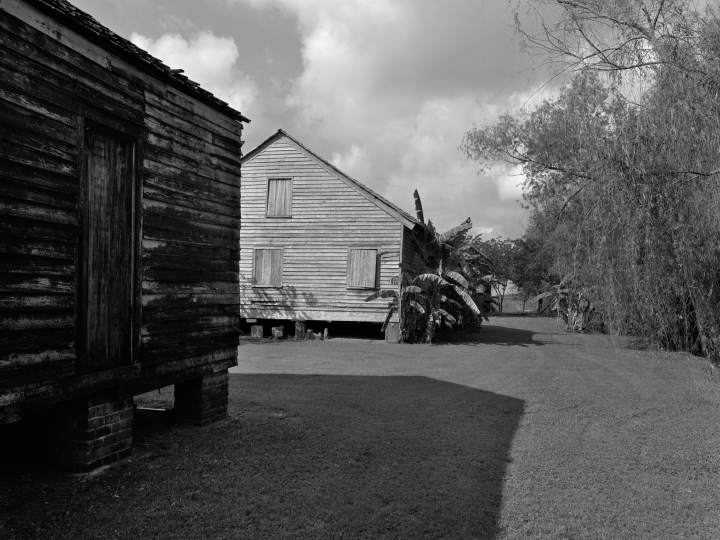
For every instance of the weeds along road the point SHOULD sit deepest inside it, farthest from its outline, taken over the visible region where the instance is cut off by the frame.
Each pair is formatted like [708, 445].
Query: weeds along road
[611, 441]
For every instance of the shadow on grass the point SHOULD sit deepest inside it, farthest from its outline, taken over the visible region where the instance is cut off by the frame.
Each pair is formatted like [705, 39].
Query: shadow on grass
[492, 334]
[299, 457]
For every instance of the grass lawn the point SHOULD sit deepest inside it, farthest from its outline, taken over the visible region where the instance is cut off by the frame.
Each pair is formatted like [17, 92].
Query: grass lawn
[522, 431]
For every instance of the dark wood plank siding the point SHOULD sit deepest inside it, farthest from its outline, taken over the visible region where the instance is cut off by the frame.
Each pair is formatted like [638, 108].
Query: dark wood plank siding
[328, 217]
[53, 83]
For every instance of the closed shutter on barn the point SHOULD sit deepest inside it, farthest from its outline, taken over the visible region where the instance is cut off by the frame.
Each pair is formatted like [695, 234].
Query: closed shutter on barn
[268, 267]
[362, 269]
[279, 198]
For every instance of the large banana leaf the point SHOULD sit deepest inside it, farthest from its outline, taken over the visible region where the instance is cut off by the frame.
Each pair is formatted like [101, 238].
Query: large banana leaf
[448, 235]
[418, 207]
[412, 289]
[454, 277]
[434, 278]
[446, 315]
[417, 306]
[386, 293]
[387, 319]
[462, 293]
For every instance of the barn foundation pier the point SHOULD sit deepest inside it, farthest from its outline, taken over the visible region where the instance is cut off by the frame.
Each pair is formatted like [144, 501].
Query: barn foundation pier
[202, 400]
[92, 431]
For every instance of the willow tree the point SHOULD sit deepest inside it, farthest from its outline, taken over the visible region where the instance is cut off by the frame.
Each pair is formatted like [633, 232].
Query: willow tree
[622, 167]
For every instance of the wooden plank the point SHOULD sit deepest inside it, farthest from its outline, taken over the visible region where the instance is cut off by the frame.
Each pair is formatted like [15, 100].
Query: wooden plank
[33, 264]
[11, 114]
[37, 194]
[175, 288]
[36, 62]
[188, 152]
[203, 190]
[172, 229]
[18, 359]
[230, 129]
[40, 106]
[64, 93]
[174, 313]
[204, 145]
[40, 248]
[155, 207]
[167, 301]
[36, 339]
[172, 275]
[40, 321]
[22, 283]
[153, 248]
[36, 212]
[39, 46]
[188, 263]
[15, 151]
[212, 207]
[153, 153]
[25, 303]
[191, 179]
[182, 325]
[161, 352]
[195, 334]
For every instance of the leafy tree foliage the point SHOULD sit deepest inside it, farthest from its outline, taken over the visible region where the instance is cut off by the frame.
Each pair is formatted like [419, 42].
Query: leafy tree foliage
[622, 167]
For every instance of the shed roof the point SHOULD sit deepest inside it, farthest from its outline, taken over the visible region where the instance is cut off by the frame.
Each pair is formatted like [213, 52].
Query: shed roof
[89, 28]
[377, 199]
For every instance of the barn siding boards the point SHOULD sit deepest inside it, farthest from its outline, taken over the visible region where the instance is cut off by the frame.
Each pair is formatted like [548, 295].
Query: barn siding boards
[331, 215]
[63, 76]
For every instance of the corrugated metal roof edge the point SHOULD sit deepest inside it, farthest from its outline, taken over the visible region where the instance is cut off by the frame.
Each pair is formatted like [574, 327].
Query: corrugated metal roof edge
[91, 29]
[281, 133]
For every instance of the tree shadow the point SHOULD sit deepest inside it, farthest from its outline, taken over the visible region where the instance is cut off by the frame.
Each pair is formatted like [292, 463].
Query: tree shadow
[492, 334]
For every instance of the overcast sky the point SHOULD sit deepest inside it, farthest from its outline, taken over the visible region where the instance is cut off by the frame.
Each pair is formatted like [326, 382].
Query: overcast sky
[383, 89]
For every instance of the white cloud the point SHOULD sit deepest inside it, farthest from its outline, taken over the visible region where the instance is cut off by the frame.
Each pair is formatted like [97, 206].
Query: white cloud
[388, 89]
[206, 59]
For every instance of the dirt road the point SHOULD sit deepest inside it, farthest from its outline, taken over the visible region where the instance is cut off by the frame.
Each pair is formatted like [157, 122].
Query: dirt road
[611, 442]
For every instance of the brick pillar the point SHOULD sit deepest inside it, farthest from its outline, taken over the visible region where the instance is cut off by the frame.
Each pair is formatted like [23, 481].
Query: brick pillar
[92, 431]
[202, 400]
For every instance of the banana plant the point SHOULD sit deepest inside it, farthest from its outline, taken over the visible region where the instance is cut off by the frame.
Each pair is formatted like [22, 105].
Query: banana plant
[431, 290]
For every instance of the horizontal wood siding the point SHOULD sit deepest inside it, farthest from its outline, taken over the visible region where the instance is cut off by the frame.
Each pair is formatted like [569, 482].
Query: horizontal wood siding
[328, 217]
[51, 82]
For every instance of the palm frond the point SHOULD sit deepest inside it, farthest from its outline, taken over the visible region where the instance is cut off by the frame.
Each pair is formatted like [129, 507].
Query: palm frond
[412, 289]
[434, 278]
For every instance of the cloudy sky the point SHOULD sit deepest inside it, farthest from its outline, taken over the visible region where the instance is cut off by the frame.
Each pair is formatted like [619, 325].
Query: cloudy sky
[383, 89]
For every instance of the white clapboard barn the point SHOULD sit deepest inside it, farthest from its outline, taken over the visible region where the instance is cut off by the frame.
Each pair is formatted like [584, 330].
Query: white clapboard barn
[315, 242]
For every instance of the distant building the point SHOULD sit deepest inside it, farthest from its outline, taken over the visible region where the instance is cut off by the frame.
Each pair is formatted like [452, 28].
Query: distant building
[119, 229]
[315, 242]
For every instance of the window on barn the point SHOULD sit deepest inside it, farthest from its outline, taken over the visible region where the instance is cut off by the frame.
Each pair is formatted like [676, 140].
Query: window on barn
[268, 267]
[362, 268]
[279, 197]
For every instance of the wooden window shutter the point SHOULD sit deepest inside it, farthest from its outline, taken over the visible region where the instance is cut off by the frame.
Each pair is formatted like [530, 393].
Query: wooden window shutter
[279, 197]
[362, 268]
[268, 267]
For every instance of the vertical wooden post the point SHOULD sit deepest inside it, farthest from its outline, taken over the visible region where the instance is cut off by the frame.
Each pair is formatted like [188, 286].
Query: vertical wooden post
[299, 329]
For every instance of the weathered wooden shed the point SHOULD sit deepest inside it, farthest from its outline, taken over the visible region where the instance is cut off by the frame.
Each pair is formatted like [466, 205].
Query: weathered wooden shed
[119, 229]
[315, 242]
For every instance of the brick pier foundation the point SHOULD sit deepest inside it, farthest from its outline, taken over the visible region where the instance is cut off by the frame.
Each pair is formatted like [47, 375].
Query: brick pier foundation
[202, 400]
[92, 431]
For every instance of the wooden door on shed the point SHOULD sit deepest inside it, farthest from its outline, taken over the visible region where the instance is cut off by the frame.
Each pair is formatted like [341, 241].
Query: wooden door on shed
[105, 314]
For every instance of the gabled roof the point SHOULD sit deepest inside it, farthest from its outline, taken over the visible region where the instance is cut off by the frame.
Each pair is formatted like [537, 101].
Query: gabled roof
[378, 200]
[89, 28]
